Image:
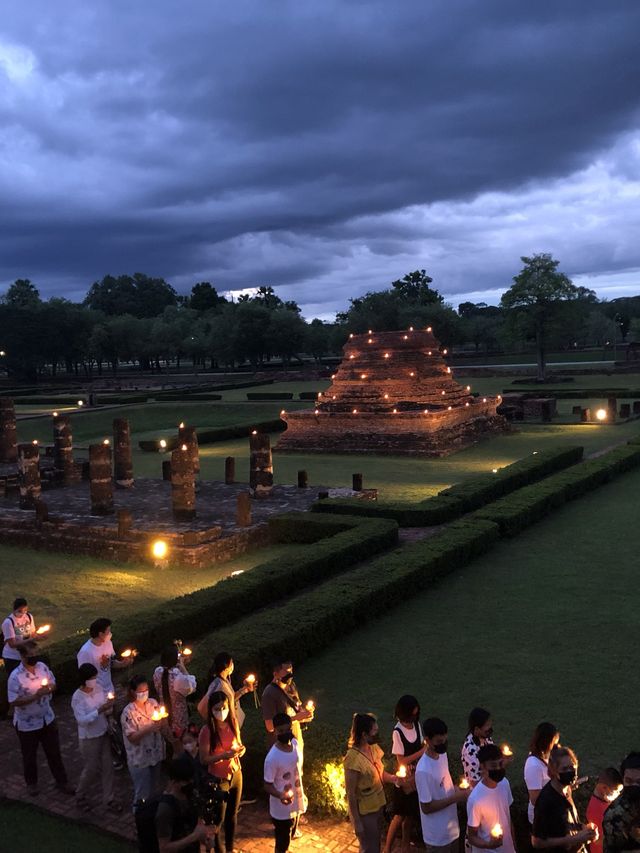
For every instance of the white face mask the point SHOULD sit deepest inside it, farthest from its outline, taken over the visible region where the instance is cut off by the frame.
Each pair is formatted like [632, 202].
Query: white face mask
[142, 697]
[90, 683]
[221, 715]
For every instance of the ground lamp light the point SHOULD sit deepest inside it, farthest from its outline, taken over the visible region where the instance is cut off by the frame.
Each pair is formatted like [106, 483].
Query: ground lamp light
[160, 553]
[601, 414]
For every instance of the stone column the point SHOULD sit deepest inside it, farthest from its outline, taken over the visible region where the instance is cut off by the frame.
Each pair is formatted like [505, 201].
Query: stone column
[229, 470]
[8, 435]
[125, 523]
[29, 475]
[243, 509]
[100, 479]
[187, 435]
[122, 461]
[183, 484]
[356, 482]
[63, 449]
[303, 480]
[260, 465]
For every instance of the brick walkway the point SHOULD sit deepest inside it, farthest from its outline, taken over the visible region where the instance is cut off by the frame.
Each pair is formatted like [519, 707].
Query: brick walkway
[255, 832]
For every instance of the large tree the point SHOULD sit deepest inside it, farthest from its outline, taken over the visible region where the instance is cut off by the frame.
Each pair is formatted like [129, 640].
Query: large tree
[538, 294]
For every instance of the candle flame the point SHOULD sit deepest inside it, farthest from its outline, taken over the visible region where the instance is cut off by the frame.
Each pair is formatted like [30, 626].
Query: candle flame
[464, 784]
[43, 629]
[250, 678]
[506, 750]
[126, 653]
[186, 652]
[402, 772]
[44, 682]
[311, 705]
[496, 831]
[111, 695]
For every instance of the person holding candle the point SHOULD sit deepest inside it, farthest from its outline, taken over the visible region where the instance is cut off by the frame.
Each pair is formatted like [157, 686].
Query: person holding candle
[437, 794]
[220, 751]
[220, 678]
[99, 651]
[281, 696]
[29, 691]
[608, 788]
[143, 730]
[364, 777]
[479, 732]
[407, 747]
[622, 820]
[555, 817]
[283, 783]
[536, 774]
[173, 684]
[18, 627]
[91, 708]
[489, 825]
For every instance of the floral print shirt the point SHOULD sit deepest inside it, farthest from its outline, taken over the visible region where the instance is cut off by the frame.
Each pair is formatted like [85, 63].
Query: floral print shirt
[150, 750]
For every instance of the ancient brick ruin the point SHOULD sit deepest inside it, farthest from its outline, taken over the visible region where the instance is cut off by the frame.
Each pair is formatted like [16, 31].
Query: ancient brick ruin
[393, 394]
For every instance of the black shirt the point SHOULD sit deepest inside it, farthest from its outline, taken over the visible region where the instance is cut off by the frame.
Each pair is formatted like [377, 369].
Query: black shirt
[555, 816]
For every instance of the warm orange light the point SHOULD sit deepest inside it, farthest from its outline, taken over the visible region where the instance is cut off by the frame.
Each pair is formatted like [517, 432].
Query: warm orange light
[352, 356]
[448, 408]
[370, 331]
[156, 715]
[411, 328]
[494, 470]
[163, 443]
[106, 442]
[250, 679]
[254, 432]
[412, 373]
[601, 414]
[43, 629]
[370, 341]
[126, 653]
[443, 393]
[159, 549]
[311, 705]
[426, 411]
[334, 397]
[395, 411]
[448, 370]
[181, 424]
[355, 412]
[466, 404]
[282, 412]
[111, 695]
[405, 337]
[44, 682]
[464, 784]
[35, 441]
[386, 355]
[401, 772]
[363, 376]
[186, 652]
[386, 396]
[317, 411]
[351, 335]
[506, 750]
[444, 351]
[184, 447]
[468, 387]
[55, 414]
[428, 328]
[496, 831]
[484, 399]
[429, 353]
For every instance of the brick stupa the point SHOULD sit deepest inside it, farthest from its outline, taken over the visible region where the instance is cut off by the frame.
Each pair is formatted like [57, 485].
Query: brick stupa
[393, 394]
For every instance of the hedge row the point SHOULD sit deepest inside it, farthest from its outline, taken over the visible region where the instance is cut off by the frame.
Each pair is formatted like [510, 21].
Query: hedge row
[308, 395]
[270, 395]
[461, 498]
[339, 544]
[577, 393]
[211, 436]
[515, 512]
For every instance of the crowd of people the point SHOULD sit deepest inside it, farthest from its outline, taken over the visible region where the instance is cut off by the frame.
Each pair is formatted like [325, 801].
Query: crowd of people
[187, 777]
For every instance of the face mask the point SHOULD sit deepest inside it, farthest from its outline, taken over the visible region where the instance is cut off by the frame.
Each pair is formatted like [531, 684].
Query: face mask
[632, 792]
[286, 737]
[567, 777]
[142, 697]
[32, 660]
[221, 715]
[371, 739]
[441, 748]
[497, 775]
[91, 683]
[287, 677]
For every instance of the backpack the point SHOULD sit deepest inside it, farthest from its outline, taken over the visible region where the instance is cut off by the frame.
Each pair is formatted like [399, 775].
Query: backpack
[146, 822]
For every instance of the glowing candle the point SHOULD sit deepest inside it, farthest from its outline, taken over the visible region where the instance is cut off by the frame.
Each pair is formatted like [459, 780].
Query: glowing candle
[155, 716]
[464, 784]
[186, 652]
[43, 629]
[163, 712]
[55, 414]
[44, 682]
[163, 443]
[405, 337]
[288, 793]
[181, 425]
[496, 831]
[250, 679]
[126, 653]
[428, 328]
[111, 695]
[506, 750]
[311, 705]
[401, 772]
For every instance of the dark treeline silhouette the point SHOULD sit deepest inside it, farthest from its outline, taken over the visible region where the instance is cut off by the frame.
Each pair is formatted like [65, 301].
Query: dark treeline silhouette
[141, 320]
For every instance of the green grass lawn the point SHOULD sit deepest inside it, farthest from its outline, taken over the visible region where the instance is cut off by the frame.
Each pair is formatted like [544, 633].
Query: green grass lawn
[71, 591]
[25, 828]
[541, 628]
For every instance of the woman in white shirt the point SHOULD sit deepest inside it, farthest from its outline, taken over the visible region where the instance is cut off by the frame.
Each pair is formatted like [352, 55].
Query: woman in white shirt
[536, 774]
[91, 706]
[173, 684]
[408, 748]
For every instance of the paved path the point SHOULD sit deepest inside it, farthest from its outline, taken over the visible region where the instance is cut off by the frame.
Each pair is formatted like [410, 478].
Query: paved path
[255, 831]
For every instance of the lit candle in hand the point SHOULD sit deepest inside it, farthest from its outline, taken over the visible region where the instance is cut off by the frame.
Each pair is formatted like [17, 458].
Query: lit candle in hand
[310, 705]
[401, 772]
[44, 682]
[111, 695]
[186, 652]
[126, 653]
[496, 831]
[250, 679]
[464, 784]
[43, 629]
[156, 715]
[506, 750]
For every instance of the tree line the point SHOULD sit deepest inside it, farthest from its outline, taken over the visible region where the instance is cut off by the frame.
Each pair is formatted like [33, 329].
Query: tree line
[143, 320]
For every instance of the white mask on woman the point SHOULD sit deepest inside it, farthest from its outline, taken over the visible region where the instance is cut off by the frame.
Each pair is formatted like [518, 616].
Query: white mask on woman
[221, 715]
[142, 697]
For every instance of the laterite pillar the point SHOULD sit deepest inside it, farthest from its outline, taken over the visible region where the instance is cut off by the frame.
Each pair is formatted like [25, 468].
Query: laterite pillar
[100, 479]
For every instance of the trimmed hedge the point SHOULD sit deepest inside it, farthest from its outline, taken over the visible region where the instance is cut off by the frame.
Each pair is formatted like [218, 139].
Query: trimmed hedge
[461, 498]
[515, 512]
[577, 393]
[345, 542]
[211, 436]
[270, 395]
[308, 395]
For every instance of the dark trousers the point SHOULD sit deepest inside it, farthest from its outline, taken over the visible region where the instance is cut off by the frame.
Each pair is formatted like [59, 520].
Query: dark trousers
[48, 737]
[229, 814]
[284, 831]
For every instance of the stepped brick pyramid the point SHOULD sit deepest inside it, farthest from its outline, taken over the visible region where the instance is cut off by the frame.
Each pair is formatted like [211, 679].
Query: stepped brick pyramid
[393, 394]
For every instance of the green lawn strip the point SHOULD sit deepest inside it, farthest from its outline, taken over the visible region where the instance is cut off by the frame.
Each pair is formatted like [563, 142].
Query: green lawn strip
[462, 497]
[338, 543]
[25, 827]
[528, 505]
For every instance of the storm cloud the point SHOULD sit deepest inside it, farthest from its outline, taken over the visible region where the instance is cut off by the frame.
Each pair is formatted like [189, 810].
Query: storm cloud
[322, 148]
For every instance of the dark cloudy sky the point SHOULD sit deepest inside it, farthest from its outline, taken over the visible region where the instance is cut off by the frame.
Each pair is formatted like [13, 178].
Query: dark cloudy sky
[322, 147]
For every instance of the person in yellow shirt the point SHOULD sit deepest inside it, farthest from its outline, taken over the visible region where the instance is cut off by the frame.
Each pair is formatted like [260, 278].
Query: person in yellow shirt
[364, 776]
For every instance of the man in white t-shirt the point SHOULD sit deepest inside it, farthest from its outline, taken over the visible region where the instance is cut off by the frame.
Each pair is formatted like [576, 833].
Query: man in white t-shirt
[489, 825]
[437, 794]
[98, 651]
[283, 782]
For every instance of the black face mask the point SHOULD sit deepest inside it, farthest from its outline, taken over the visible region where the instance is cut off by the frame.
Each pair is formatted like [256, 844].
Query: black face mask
[285, 737]
[567, 776]
[441, 748]
[497, 775]
[32, 660]
[632, 792]
[287, 677]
